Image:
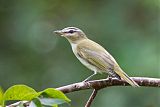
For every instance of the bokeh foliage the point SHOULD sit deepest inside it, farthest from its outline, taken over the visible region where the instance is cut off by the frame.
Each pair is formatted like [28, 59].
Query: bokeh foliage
[31, 54]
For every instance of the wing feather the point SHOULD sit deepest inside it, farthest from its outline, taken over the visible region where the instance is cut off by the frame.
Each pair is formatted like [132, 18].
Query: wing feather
[97, 58]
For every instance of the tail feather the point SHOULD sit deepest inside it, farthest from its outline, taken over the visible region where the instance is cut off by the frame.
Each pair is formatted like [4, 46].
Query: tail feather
[123, 75]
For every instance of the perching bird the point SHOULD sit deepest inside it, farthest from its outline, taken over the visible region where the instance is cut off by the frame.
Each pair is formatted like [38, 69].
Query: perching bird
[93, 55]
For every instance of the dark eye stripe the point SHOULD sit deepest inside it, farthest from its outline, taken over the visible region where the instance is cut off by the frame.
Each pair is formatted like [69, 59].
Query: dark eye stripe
[71, 31]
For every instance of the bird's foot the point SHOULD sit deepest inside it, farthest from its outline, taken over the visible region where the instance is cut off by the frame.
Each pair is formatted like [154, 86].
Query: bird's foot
[109, 78]
[85, 80]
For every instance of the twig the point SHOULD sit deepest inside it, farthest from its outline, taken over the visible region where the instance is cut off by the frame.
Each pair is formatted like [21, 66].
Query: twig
[91, 98]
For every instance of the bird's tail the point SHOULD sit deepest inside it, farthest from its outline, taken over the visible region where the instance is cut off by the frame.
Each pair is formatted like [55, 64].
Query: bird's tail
[123, 75]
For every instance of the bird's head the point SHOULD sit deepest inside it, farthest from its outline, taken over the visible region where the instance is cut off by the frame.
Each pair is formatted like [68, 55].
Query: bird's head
[73, 34]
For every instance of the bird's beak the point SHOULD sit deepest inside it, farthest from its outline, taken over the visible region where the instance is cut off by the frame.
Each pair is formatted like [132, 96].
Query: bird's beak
[59, 32]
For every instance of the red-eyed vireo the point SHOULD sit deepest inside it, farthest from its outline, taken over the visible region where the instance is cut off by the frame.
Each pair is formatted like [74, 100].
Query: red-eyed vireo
[93, 55]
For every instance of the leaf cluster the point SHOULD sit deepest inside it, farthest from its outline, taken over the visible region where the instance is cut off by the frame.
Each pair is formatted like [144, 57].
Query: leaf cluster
[28, 96]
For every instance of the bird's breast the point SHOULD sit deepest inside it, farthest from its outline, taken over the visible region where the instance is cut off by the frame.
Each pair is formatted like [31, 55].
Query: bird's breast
[82, 60]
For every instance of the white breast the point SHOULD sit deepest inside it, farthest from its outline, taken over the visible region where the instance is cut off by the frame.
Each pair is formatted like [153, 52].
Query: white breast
[84, 62]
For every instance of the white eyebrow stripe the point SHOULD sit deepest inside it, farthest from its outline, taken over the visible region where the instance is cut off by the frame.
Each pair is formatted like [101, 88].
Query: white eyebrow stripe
[67, 30]
[70, 28]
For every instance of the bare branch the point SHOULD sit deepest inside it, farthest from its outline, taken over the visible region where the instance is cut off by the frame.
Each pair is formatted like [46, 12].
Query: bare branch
[91, 98]
[98, 84]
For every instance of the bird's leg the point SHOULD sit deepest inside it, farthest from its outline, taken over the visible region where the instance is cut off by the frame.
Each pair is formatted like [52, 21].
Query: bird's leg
[117, 76]
[109, 77]
[112, 74]
[90, 77]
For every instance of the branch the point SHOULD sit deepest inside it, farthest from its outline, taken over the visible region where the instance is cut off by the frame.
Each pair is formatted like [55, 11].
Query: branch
[91, 98]
[99, 84]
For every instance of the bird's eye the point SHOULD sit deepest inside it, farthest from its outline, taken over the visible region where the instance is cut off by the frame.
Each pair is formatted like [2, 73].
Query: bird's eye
[71, 31]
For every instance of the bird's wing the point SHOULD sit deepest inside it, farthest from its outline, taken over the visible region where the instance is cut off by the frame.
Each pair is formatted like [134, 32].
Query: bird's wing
[96, 55]
[98, 58]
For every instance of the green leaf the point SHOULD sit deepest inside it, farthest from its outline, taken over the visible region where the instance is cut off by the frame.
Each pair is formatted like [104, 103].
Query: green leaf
[51, 101]
[21, 104]
[20, 92]
[55, 106]
[35, 103]
[32, 104]
[50, 96]
[1, 96]
[56, 94]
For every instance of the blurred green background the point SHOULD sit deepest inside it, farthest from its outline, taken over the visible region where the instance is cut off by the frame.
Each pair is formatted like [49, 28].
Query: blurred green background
[31, 54]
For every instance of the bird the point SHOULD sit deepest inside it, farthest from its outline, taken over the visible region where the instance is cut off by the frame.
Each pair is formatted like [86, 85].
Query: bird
[93, 56]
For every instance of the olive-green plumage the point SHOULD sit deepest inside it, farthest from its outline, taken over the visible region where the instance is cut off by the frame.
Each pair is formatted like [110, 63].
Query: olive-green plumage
[93, 55]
